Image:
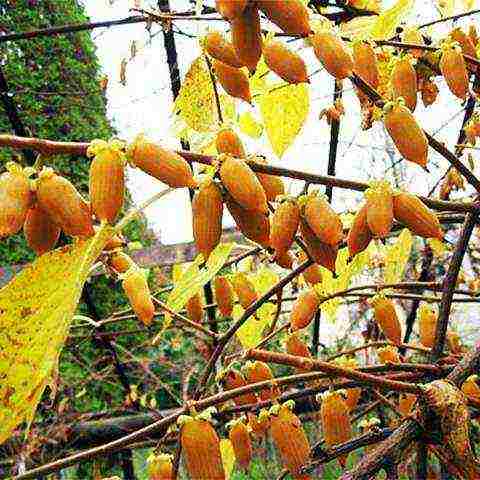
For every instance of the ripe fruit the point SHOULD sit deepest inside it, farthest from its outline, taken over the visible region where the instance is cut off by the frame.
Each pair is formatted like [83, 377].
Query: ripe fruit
[194, 308]
[359, 235]
[230, 9]
[285, 260]
[229, 142]
[201, 449]
[333, 54]
[244, 289]
[165, 165]
[453, 341]
[62, 202]
[284, 227]
[465, 41]
[296, 346]
[454, 70]
[231, 379]
[120, 262]
[219, 48]
[416, 216]
[379, 206]
[351, 395]
[242, 184]
[336, 423]
[414, 37]
[233, 80]
[365, 66]
[312, 274]
[272, 184]
[259, 372]
[136, 289]
[15, 199]
[247, 37]
[388, 355]
[471, 389]
[404, 82]
[241, 443]
[259, 424]
[114, 242]
[207, 212]
[40, 231]
[429, 92]
[405, 403]
[223, 295]
[106, 179]
[288, 65]
[290, 15]
[254, 225]
[323, 220]
[289, 438]
[304, 309]
[159, 467]
[427, 325]
[407, 135]
[386, 318]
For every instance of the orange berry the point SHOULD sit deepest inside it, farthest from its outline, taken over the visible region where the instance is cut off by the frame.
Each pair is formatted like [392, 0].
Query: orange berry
[40, 231]
[219, 48]
[247, 37]
[351, 395]
[304, 309]
[230, 9]
[272, 184]
[62, 202]
[454, 70]
[312, 274]
[405, 403]
[242, 184]
[223, 295]
[471, 389]
[232, 379]
[253, 224]
[407, 135]
[379, 206]
[241, 443]
[290, 15]
[465, 41]
[233, 80]
[289, 439]
[429, 92]
[414, 37]
[15, 199]
[359, 235]
[427, 325]
[207, 212]
[388, 355]
[120, 262]
[136, 289]
[106, 179]
[333, 54]
[416, 216]
[365, 66]
[386, 318]
[288, 65]
[323, 220]
[259, 372]
[162, 164]
[285, 221]
[404, 82]
[194, 308]
[259, 424]
[229, 142]
[159, 467]
[244, 289]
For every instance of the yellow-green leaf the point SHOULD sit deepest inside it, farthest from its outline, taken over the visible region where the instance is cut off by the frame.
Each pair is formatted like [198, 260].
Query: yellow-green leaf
[387, 22]
[36, 310]
[228, 457]
[250, 126]
[396, 257]
[284, 111]
[250, 333]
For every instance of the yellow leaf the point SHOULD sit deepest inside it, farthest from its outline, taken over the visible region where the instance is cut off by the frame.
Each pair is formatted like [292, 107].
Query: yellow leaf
[387, 22]
[250, 333]
[358, 28]
[264, 279]
[36, 310]
[437, 246]
[396, 257]
[284, 111]
[228, 457]
[446, 7]
[250, 126]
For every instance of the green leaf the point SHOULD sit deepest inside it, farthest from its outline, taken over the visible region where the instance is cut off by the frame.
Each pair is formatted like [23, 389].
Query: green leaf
[36, 310]
[396, 257]
[284, 110]
[387, 22]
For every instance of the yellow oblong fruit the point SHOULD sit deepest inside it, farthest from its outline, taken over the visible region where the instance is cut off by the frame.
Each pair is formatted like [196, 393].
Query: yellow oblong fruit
[323, 220]
[207, 213]
[61, 201]
[407, 135]
[290, 439]
[219, 48]
[272, 184]
[454, 71]
[241, 443]
[304, 309]
[194, 308]
[223, 292]
[229, 142]
[336, 424]
[471, 389]
[365, 66]
[379, 206]
[290, 15]
[387, 319]
[136, 289]
[253, 224]
[404, 82]
[388, 354]
[242, 184]
[244, 289]
[40, 231]
[323, 254]
[359, 235]
[288, 65]
[201, 450]
[427, 325]
[162, 164]
[285, 221]
[247, 36]
[230, 9]
[15, 199]
[232, 379]
[416, 216]
[160, 467]
[106, 179]
[333, 54]
[233, 80]
[256, 372]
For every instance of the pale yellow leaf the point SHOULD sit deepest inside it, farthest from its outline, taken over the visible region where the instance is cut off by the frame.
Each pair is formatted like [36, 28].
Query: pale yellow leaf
[387, 22]
[446, 7]
[250, 126]
[396, 257]
[358, 28]
[228, 457]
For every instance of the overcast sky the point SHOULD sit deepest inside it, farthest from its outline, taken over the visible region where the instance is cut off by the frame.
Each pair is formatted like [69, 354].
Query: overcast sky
[145, 105]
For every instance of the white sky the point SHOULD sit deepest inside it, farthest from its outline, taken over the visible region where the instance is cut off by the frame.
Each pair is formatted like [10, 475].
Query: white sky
[145, 105]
